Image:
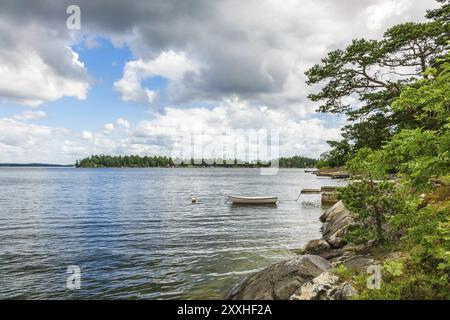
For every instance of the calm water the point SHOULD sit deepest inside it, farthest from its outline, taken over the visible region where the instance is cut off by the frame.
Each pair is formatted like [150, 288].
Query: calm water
[135, 234]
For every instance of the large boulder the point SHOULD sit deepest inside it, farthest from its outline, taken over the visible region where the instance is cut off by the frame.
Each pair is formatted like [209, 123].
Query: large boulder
[315, 246]
[326, 286]
[353, 262]
[281, 280]
[336, 221]
[339, 206]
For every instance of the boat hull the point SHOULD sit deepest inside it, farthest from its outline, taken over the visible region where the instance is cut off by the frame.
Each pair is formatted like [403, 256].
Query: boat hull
[253, 200]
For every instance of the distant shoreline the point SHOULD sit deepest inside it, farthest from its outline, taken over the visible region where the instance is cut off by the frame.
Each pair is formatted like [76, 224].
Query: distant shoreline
[175, 167]
[35, 165]
[192, 167]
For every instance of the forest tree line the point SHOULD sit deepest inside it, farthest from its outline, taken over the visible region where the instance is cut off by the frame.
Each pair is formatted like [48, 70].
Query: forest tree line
[135, 161]
[399, 127]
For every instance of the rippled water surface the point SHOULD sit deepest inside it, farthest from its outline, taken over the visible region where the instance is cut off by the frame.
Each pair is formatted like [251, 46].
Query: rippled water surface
[135, 234]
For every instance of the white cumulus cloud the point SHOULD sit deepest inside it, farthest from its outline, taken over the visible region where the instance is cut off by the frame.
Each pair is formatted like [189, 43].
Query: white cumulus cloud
[379, 13]
[87, 135]
[108, 128]
[123, 123]
[30, 115]
[37, 65]
[169, 64]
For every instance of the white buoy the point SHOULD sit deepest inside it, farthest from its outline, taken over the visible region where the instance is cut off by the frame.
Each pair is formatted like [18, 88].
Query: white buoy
[194, 200]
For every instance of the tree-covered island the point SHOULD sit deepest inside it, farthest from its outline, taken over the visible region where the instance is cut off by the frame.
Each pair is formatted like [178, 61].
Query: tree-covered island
[135, 161]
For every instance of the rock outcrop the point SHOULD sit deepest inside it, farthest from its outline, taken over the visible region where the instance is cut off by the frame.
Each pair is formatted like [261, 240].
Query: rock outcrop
[353, 260]
[281, 280]
[336, 221]
[315, 246]
[307, 276]
[324, 287]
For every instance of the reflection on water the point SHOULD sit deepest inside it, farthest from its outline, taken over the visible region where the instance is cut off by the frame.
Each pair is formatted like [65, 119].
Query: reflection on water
[261, 205]
[135, 233]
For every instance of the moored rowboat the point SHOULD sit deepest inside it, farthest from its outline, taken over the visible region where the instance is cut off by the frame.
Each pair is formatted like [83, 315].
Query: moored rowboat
[253, 200]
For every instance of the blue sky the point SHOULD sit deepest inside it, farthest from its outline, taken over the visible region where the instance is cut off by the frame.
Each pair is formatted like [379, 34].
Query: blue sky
[105, 64]
[139, 75]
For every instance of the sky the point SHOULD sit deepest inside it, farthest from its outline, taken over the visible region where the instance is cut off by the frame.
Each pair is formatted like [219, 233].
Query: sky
[150, 77]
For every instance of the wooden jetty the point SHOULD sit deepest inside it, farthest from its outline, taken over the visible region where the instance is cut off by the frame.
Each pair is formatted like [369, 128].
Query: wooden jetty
[310, 191]
[333, 175]
[342, 175]
[329, 198]
[328, 194]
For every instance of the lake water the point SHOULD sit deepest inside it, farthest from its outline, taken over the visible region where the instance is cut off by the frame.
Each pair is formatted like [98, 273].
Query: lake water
[135, 234]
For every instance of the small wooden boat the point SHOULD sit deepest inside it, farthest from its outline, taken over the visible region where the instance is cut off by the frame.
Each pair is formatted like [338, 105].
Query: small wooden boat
[253, 200]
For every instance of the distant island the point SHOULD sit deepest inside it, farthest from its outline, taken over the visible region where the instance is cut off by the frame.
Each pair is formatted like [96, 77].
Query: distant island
[134, 161]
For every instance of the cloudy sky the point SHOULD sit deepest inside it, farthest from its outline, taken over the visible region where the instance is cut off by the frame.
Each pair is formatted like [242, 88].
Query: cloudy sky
[137, 74]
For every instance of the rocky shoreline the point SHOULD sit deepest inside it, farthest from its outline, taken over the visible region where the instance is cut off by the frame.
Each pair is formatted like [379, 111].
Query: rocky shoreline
[309, 275]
